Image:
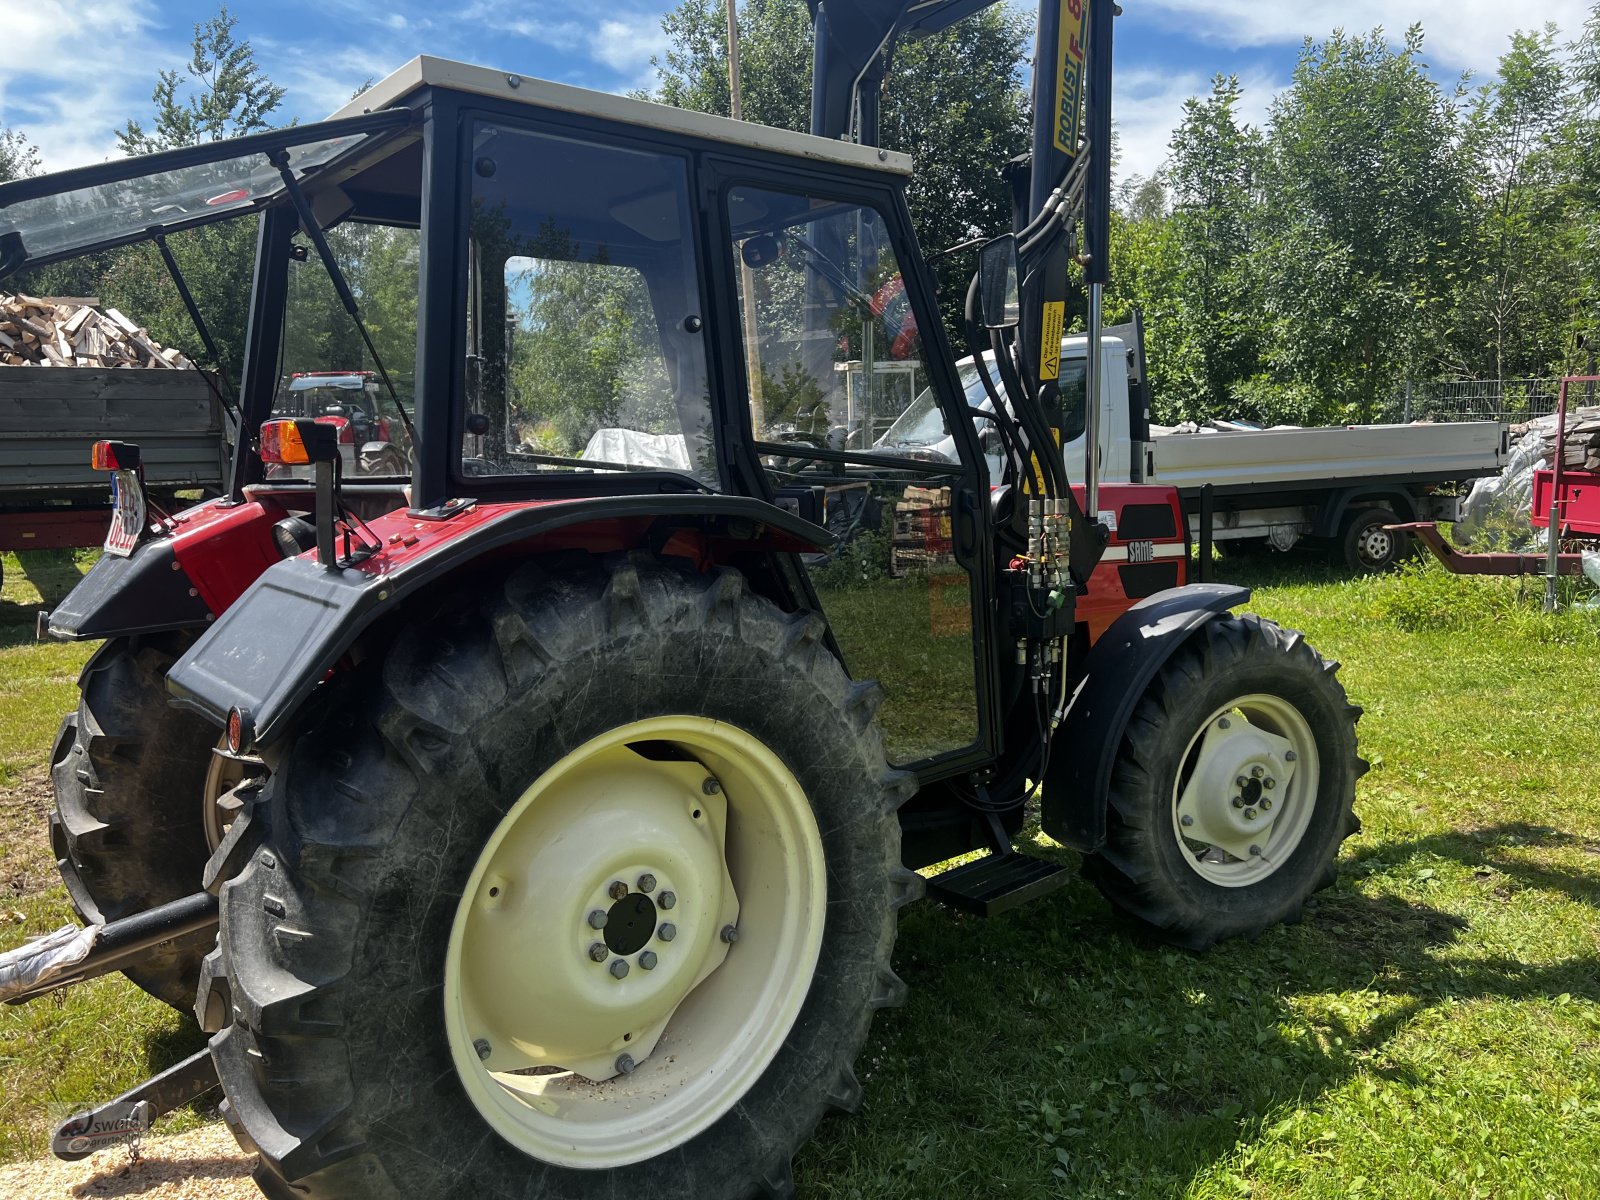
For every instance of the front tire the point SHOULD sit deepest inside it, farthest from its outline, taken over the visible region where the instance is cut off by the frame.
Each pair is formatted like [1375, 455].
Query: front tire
[405, 962]
[1233, 788]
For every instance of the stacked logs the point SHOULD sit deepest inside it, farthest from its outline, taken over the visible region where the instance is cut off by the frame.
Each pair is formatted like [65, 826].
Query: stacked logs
[1581, 445]
[73, 332]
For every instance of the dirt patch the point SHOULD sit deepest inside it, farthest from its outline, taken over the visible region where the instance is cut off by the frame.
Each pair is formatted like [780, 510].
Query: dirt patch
[27, 865]
[203, 1164]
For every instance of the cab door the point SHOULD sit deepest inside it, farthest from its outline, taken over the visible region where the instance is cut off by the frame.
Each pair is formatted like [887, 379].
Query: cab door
[853, 414]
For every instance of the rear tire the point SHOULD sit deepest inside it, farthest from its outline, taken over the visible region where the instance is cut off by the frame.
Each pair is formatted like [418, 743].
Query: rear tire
[129, 773]
[1242, 699]
[381, 843]
[1368, 547]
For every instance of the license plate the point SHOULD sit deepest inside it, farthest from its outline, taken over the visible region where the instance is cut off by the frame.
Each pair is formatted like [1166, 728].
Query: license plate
[128, 514]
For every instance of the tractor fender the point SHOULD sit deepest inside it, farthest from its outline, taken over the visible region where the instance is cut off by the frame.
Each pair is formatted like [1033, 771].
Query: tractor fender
[266, 653]
[181, 578]
[1118, 668]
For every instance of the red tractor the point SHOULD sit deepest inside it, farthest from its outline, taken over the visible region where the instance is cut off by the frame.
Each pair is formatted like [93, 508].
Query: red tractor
[528, 823]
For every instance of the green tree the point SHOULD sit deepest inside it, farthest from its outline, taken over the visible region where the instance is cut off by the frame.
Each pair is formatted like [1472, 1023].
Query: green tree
[1213, 174]
[954, 101]
[1511, 311]
[1366, 206]
[19, 157]
[225, 94]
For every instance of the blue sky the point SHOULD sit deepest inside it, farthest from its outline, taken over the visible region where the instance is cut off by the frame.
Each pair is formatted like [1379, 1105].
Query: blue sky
[70, 73]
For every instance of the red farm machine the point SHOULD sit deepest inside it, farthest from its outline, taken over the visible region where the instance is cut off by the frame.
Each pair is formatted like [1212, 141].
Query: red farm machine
[1564, 502]
[526, 823]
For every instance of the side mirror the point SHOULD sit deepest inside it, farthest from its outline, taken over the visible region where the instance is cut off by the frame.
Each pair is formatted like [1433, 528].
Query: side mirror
[997, 283]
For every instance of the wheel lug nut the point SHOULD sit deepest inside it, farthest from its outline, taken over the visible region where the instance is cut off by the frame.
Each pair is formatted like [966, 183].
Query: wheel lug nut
[618, 890]
[1186, 820]
[667, 900]
[625, 1064]
[1266, 804]
[1224, 723]
[1289, 756]
[1257, 772]
[597, 919]
[1241, 781]
[1238, 801]
[667, 932]
[710, 787]
[619, 968]
[598, 951]
[1256, 851]
[647, 882]
[482, 1047]
[1269, 782]
[730, 934]
[1249, 814]
[647, 960]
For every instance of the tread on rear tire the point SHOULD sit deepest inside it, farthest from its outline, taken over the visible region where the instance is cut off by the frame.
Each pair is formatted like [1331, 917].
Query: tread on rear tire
[330, 965]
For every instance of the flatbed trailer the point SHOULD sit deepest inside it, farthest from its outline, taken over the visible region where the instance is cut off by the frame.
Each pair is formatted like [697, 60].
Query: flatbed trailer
[50, 496]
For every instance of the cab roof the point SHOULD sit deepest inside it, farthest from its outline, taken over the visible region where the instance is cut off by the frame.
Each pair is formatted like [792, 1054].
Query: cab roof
[425, 71]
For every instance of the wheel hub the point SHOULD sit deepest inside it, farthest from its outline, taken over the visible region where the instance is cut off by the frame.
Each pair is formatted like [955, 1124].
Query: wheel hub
[1247, 796]
[630, 924]
[1376, 544]
[634, 942]
[555, 888]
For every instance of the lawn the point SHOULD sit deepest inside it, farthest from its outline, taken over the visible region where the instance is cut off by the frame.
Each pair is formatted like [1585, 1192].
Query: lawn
[1431, 1029]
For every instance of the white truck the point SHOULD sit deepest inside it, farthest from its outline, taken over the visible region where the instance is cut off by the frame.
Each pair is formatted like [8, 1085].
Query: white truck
[1339, 486]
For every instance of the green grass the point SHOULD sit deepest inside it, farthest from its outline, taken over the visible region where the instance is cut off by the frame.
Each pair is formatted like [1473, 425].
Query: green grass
[1431, 1029]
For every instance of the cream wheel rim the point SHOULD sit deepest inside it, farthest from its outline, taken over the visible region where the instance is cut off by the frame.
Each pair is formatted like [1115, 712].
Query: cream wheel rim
[218, 806]
[1246, 791]
[634, 942]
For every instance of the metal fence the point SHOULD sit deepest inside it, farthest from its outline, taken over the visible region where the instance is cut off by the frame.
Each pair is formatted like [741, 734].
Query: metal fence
[1510, 400]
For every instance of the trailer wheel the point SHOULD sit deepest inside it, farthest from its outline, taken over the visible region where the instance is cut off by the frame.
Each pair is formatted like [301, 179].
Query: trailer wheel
[129, 774]
[1370, 548]
[1233, 787]
[585, 889]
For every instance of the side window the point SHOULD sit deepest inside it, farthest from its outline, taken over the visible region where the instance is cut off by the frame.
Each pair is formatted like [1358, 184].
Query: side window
[585, 350]
[836, 363]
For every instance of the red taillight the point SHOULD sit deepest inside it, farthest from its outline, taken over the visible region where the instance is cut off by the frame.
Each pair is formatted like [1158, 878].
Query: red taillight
[236, 730]
[114, 456]
[282, 442]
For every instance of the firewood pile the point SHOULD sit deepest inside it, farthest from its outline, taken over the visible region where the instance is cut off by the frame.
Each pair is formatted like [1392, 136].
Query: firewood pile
[56, 332]
[1581, 451]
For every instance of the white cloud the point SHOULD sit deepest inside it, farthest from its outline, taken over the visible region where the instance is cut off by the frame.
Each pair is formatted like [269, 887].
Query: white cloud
[1149, 104]
[627, 46]
[67, 100]
[1461, 33]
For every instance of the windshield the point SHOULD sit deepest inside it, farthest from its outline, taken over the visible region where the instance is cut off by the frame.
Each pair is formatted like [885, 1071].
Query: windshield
[129, 200]
[923, 424]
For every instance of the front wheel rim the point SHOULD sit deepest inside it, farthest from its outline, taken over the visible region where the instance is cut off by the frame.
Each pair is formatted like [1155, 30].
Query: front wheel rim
[1246, 791]
[584, 1030]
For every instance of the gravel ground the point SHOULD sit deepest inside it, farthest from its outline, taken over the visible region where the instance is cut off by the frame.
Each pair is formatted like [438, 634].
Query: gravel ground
[203, 1164]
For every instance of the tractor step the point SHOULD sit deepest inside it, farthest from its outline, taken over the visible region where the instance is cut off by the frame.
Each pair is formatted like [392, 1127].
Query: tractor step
[997, 883]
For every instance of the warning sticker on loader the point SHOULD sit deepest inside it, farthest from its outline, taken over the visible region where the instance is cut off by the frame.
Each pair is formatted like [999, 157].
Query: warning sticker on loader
[1055, 315]
[1073, 37]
